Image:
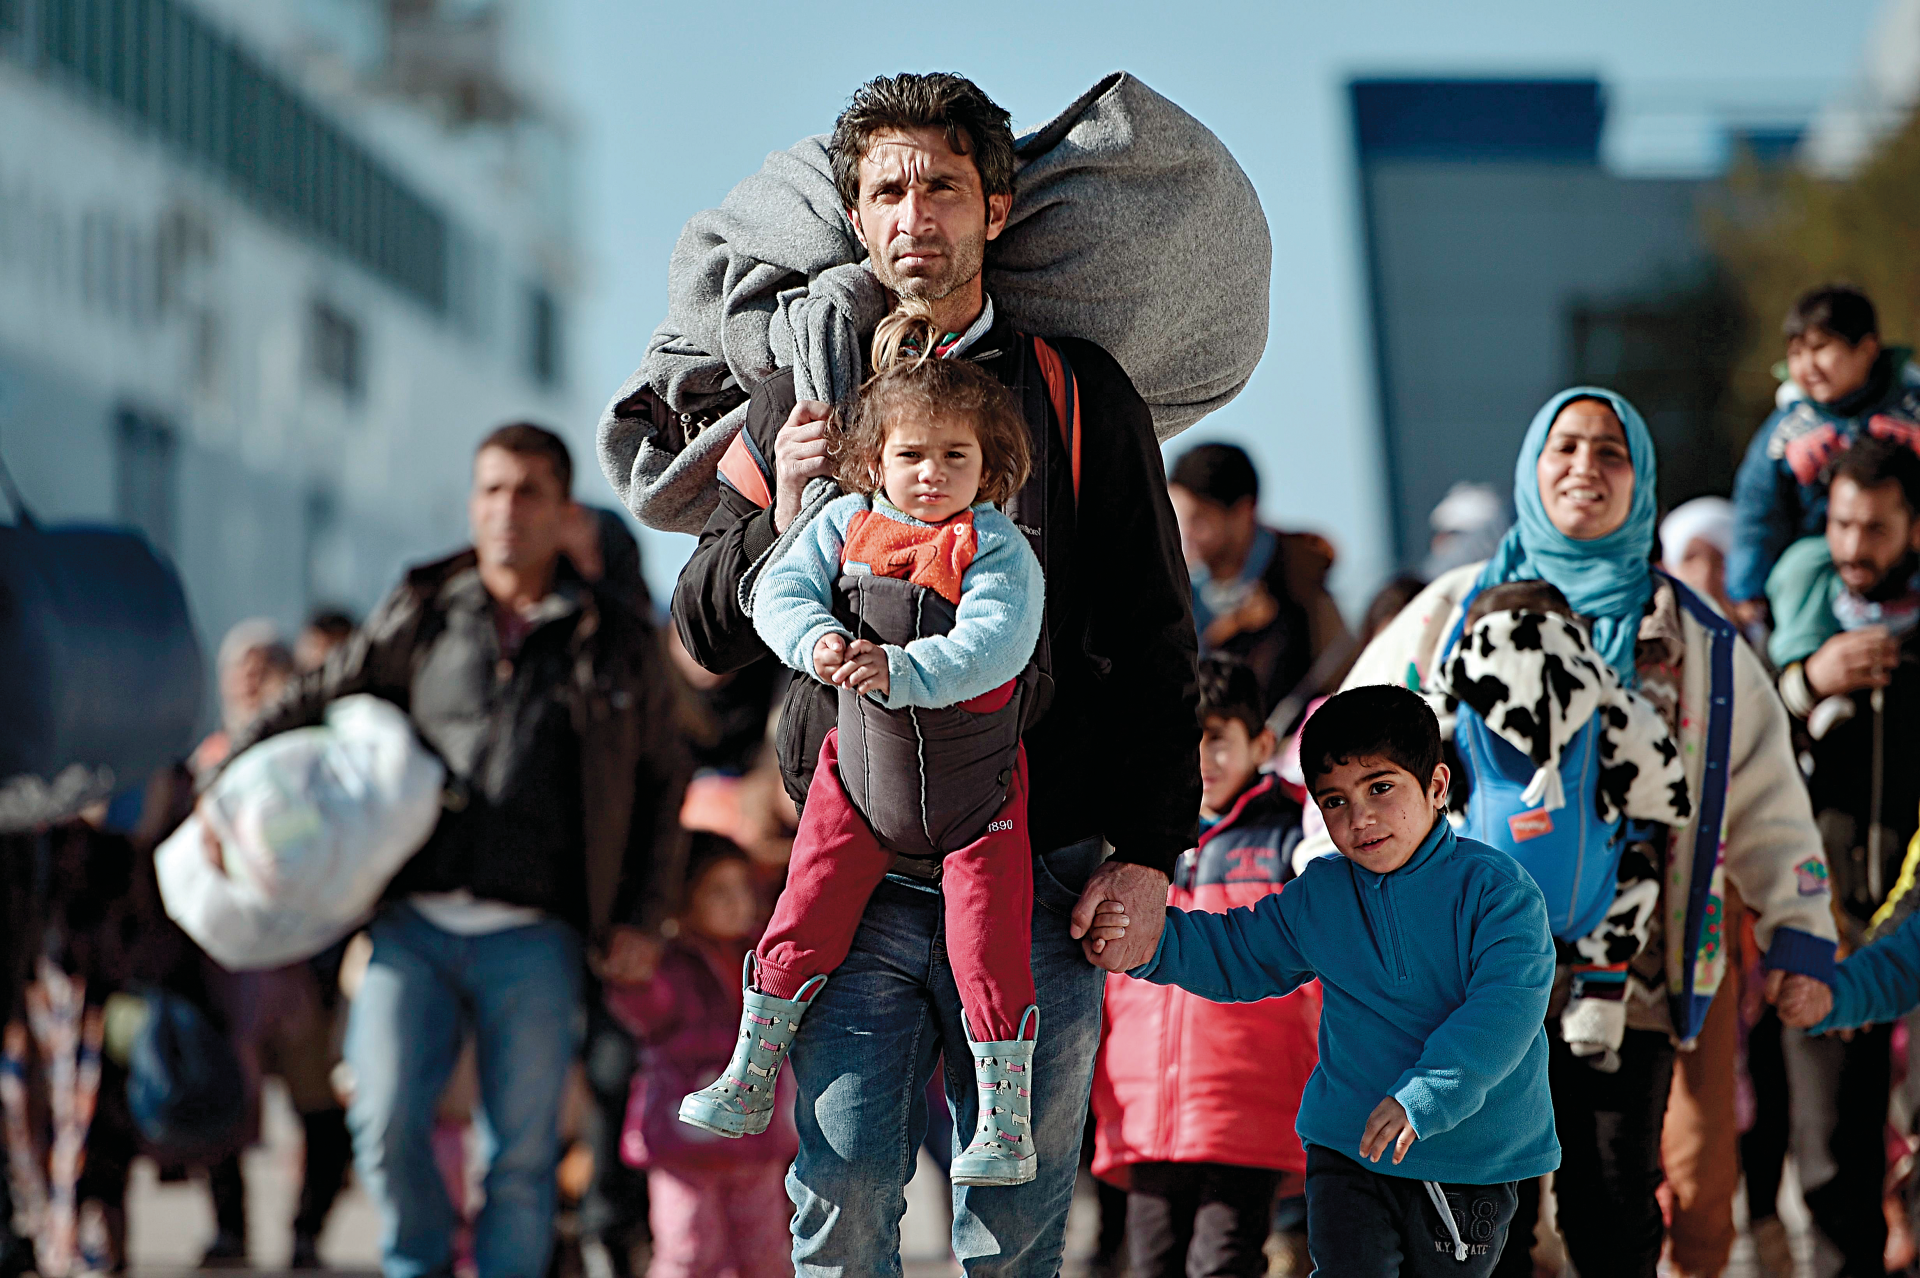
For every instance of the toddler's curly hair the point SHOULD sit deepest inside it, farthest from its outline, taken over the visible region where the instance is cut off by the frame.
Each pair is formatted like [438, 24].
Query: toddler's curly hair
[909, 381]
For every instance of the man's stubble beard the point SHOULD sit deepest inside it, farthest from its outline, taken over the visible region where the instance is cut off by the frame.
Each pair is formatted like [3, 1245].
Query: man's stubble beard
[965, 258]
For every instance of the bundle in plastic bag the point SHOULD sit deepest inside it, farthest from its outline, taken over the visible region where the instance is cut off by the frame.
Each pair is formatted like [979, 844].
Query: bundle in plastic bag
[1132, 227]
[312, 825]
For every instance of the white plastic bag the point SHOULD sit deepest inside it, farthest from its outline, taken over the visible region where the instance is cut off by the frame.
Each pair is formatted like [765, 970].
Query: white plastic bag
[312, 826]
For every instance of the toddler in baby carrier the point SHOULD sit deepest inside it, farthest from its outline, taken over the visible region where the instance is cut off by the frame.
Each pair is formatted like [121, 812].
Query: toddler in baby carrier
[1569, 771]
[921, 603]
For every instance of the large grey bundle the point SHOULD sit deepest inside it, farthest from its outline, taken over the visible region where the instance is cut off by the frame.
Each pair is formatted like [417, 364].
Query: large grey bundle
[1132, 226]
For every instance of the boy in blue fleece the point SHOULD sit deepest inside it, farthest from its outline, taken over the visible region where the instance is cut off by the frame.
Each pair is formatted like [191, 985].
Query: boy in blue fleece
[1435, 963]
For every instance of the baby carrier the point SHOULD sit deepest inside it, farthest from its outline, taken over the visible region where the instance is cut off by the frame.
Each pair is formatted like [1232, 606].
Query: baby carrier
[929, 780]
[1561, 808]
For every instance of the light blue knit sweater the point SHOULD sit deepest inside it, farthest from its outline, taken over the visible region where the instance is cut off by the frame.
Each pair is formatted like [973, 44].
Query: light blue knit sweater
[1002, 601]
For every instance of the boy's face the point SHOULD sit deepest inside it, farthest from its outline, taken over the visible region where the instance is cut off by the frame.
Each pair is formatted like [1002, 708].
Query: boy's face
[1827, 367]
[1377, 812]
[1230, 758]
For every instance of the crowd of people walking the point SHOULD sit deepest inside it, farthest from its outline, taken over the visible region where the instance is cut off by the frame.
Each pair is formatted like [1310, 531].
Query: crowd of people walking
[989, 785]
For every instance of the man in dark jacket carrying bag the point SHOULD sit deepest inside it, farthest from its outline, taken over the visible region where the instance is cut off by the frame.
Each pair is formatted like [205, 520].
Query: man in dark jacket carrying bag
[550, 702]
[925, 165]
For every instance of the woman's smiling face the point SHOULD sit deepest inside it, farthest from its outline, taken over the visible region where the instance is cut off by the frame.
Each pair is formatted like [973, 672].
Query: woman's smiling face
[1586, 471]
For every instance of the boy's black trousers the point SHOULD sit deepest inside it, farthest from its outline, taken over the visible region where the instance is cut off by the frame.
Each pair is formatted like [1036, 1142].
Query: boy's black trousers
[1363, 1224]
[1198, 1220]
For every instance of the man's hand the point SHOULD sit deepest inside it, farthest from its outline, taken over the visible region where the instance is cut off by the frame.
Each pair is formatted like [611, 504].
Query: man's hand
[864, 670]
[1388, 1125]
[210, 843]
[829, 655]
[1120, 915]
[1803, 1002]
[799, 454]
[1851, 661]
[1751, 612]
[632, 956]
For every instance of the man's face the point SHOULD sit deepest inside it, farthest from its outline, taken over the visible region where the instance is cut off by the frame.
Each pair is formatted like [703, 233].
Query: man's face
[1377, 813]
[518, 511]
[1211, 534]
[923, 214]
[1230, 758]
[1869, 531]
[1827, 367]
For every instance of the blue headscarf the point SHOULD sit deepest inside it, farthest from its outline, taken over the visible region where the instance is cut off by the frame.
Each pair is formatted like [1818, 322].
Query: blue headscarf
[1608, 579]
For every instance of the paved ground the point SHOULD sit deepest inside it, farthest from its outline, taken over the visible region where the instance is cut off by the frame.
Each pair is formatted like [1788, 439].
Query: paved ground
[170, 1224]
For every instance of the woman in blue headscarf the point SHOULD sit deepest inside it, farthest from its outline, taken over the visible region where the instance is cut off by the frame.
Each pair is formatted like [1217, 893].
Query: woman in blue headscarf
[1584, 491]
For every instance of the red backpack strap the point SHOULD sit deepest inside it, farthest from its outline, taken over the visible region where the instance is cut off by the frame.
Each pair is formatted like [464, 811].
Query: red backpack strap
[1063, 389]
[740, 468]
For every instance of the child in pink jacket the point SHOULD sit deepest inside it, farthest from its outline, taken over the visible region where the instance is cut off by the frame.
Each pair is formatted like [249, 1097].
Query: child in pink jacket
[718, 1206]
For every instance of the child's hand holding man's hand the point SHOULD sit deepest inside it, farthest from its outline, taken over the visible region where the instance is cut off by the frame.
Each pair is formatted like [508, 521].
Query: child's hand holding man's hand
[1387, 1126]
[1802, 1001]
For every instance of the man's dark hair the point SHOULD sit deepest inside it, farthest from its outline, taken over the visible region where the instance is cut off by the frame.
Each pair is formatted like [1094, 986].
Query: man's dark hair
[1840, 309]
[1873, 461]
[974, 123]
[334, 623]
[1379, 721]
[1218, 472]
[529, 440]
[1230, 690]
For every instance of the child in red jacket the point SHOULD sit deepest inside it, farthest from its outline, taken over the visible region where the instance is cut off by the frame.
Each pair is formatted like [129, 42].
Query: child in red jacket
[1175, 1074]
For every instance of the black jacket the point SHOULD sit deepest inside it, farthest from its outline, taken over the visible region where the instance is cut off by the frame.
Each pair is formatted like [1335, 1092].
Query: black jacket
[1117, 754]
[566, 764]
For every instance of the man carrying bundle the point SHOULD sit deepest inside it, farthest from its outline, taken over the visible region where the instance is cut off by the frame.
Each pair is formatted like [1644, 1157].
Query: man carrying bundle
[924, 165]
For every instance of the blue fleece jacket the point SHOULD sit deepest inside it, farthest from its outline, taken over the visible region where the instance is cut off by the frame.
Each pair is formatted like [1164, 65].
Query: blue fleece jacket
[1778, 493]
[1878, 983]
[996, 625]
[1435, 980]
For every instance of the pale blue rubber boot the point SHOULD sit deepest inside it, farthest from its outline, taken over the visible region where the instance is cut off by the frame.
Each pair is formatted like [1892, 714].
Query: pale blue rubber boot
[1002, 1152]
[740, 1102]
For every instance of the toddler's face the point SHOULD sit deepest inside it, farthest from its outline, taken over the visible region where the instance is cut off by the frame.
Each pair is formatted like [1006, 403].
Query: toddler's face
[1377, 813]
[931, 469]
[1828, 367]
[723, 905]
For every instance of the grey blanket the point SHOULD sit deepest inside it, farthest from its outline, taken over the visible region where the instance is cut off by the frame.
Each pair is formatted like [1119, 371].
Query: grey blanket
[1132, 227]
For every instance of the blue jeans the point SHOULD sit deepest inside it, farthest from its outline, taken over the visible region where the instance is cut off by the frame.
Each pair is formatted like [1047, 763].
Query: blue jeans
[518, 992]
[886, 1017]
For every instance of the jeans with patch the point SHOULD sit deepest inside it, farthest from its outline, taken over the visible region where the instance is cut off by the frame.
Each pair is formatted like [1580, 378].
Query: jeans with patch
[887, 1017]
[1362, 1223]
[518, 993]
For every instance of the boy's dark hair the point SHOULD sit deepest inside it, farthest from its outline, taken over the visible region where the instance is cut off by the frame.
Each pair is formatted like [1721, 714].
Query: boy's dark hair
[974, 123]
[529, 440]
[1379, 721]
[1518, 596]
[1230, 690]
[1840, 309]
[1873, 461]
[1220, 473]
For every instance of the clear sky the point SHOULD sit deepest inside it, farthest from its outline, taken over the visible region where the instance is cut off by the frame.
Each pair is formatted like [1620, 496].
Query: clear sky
[677, 102]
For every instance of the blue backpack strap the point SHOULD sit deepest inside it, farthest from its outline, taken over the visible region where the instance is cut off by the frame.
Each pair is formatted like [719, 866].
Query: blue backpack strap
[1712, 807]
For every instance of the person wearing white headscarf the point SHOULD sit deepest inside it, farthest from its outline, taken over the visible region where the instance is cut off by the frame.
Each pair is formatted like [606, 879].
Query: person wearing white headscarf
[1695, 539]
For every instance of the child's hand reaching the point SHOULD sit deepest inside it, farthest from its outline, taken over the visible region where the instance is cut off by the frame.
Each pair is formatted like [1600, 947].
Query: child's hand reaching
[863, 670]
[1388, 1125]
[829, 655]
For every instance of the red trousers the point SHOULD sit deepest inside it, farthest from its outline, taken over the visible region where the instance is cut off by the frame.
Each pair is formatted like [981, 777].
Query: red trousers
[987, 887]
